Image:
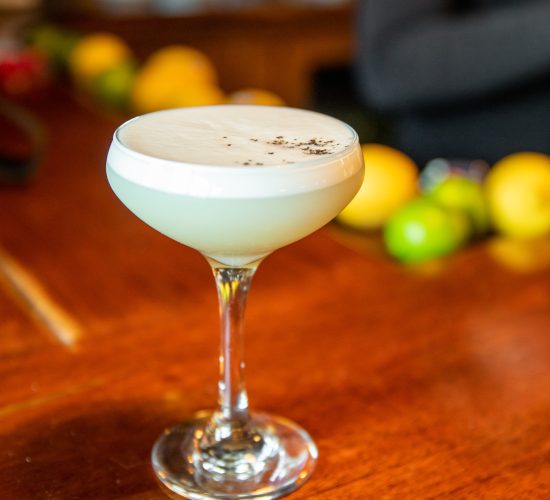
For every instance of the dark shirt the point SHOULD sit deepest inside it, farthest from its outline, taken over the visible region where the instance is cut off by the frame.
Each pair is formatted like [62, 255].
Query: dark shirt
[460, 78]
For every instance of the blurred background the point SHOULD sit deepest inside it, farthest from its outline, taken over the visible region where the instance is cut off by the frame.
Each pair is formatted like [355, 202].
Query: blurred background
[442, 90]
[299, 50]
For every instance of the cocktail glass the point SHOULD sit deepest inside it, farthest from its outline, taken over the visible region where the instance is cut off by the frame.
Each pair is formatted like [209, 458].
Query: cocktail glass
[235, 214]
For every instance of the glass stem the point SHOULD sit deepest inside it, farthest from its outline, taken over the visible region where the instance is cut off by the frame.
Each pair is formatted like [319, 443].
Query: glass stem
[231, 419]
[232, 446]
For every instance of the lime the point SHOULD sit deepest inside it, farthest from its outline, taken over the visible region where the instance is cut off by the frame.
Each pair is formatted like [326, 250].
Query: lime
[422, 230]
[113, 87]
[56, 44]
[460, 193]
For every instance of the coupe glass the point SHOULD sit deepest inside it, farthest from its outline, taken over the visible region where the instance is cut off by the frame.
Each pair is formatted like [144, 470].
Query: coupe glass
[234, 215]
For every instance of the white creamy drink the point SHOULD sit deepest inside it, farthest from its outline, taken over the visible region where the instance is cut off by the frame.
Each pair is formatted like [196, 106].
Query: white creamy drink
[235, 182]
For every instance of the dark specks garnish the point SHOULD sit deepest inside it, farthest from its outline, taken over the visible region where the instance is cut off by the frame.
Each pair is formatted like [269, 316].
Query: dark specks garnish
[313, 146]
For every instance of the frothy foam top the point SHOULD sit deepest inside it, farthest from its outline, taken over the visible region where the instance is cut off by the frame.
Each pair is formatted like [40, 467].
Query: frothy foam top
[235, 151]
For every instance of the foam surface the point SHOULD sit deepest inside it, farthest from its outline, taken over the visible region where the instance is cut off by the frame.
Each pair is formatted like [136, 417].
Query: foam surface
[235, 151]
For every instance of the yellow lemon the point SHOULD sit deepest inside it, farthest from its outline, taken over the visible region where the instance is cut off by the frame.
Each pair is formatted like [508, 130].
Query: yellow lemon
[173, 77]
[152, 91]
[520, 255]
[183, 63]
[256, 96]
[390, 181]
[198, 95]
[97, 53]
[518, 194]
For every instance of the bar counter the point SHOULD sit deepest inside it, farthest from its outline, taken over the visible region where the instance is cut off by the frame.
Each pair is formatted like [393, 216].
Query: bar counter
[426, 382]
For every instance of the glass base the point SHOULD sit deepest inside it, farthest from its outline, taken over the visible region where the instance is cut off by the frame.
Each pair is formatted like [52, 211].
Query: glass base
[279, 459]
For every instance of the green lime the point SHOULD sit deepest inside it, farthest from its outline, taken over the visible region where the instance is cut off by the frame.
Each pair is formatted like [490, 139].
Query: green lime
[57, 44]
[113, 86]
[422, 230]
[461, 193]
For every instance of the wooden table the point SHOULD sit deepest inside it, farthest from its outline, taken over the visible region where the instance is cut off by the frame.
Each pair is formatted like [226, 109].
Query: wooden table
[415, 383]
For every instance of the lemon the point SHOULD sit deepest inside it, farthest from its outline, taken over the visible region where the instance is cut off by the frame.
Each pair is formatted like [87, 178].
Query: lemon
[518, 195]
[173, 77]
[390, 181]
[198, 95]
[184, 63]
[521, 255]
[97, 53]
[153, 91]
[422, 230]
[256, 96]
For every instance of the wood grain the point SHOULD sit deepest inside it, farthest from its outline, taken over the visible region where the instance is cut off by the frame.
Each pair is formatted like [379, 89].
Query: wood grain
[426, 382]
[18, 332]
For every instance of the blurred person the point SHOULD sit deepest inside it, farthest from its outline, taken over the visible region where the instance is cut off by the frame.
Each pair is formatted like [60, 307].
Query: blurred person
[458, 78]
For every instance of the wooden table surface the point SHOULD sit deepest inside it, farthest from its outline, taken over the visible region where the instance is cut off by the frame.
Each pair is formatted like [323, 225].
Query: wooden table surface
[415, 383]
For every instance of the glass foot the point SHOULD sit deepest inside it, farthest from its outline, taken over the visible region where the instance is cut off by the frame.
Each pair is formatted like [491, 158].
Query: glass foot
[277, 458]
